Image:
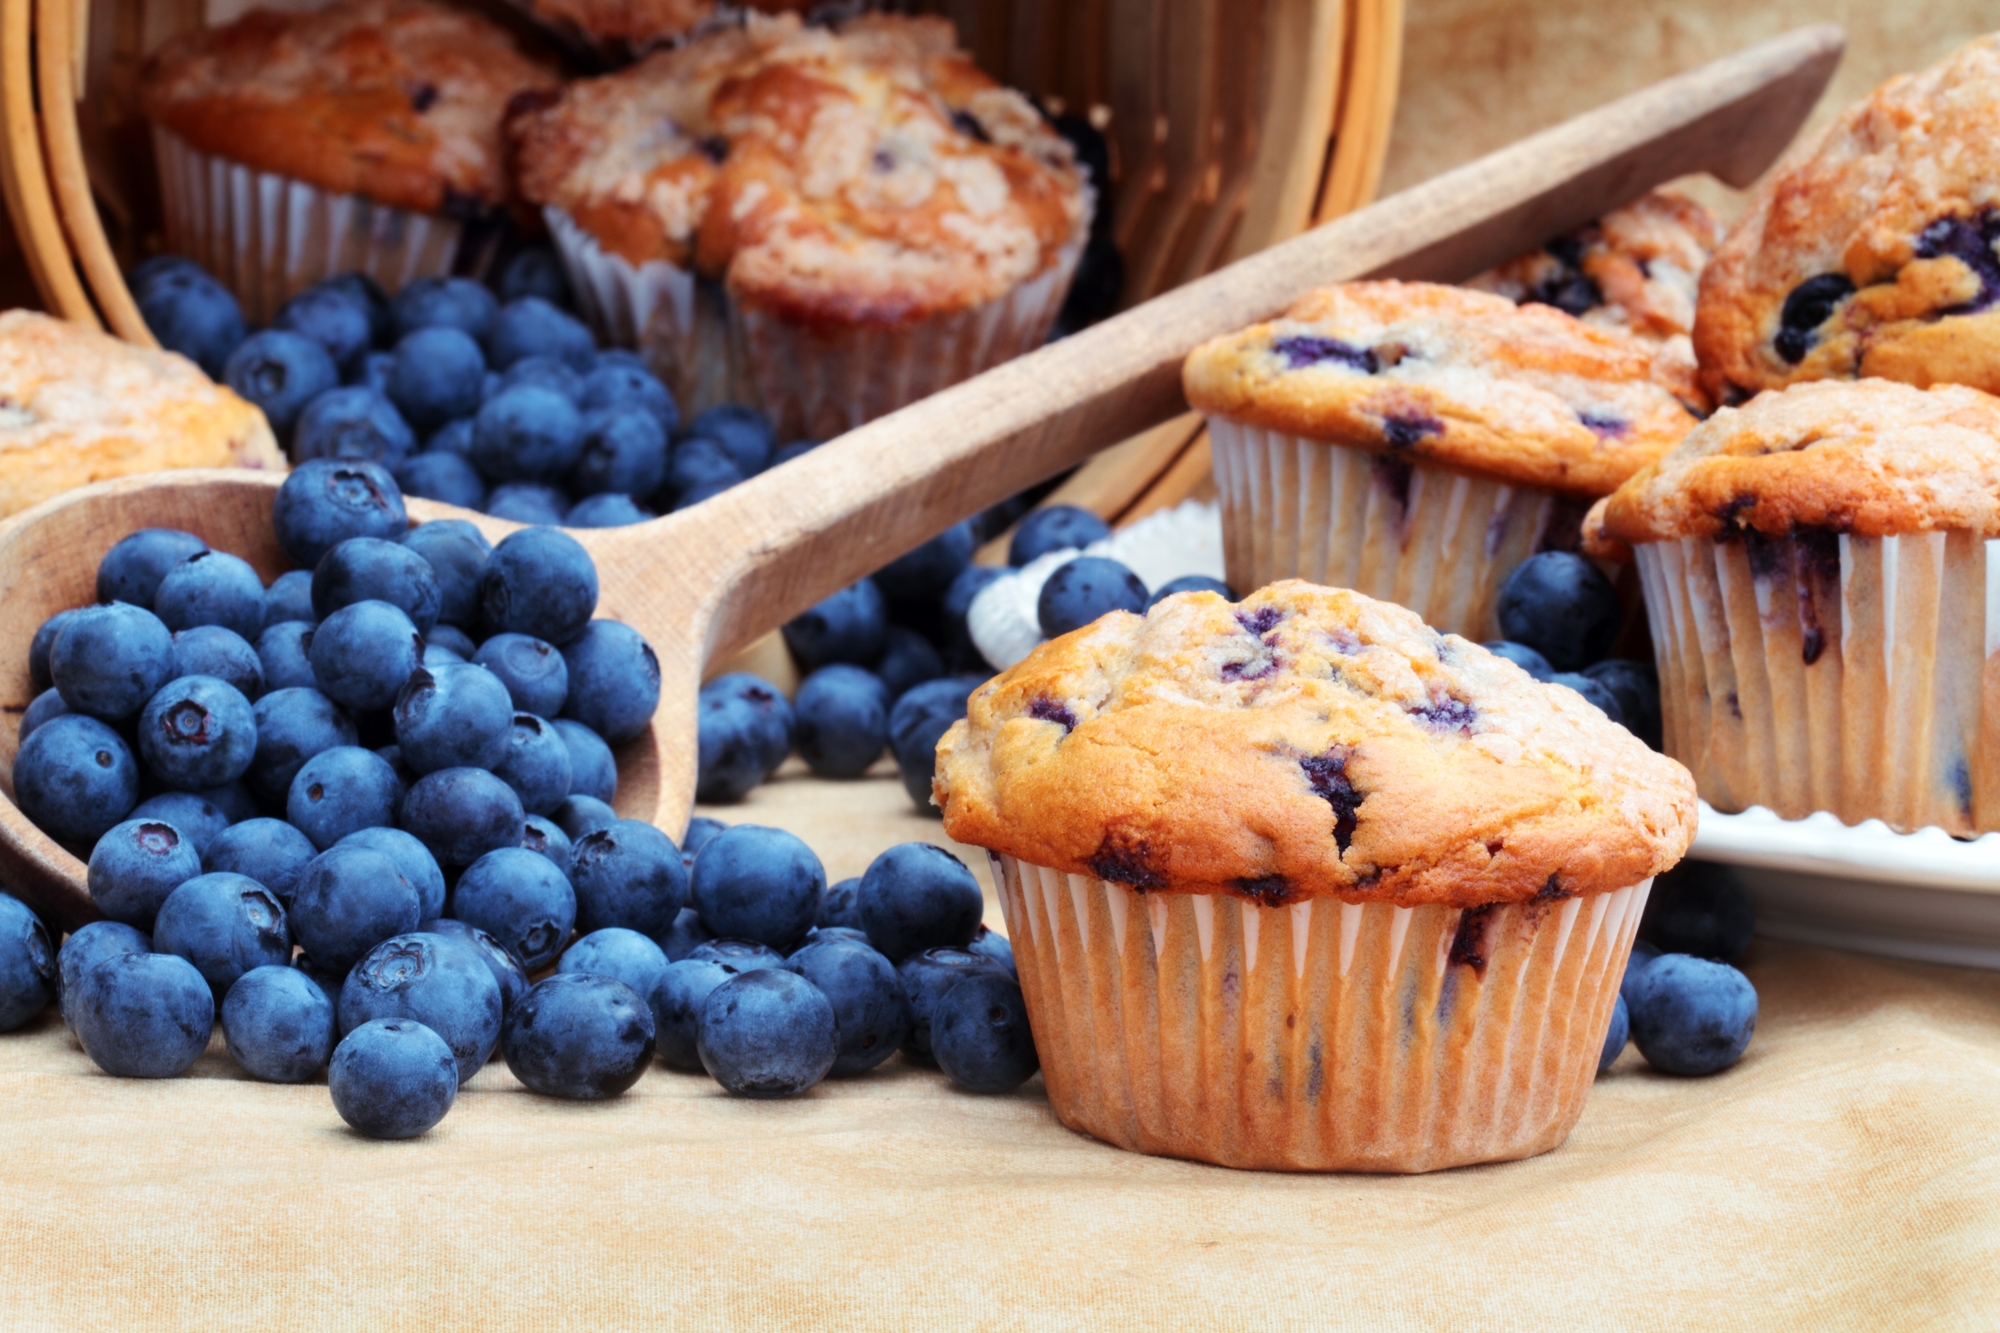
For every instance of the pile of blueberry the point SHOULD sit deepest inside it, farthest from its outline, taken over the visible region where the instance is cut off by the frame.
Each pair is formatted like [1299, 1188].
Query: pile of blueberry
[1561, 616]
[489, 398]
[1681, 1001]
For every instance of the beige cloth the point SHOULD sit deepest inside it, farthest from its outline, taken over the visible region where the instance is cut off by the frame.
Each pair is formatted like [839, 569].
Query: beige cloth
[1846, 1175]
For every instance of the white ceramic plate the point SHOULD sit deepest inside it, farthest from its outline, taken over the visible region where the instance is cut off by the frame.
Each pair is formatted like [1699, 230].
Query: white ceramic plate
[1923, 895]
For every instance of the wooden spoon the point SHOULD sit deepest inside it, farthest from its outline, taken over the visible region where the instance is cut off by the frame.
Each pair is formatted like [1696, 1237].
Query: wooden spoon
[702, 583]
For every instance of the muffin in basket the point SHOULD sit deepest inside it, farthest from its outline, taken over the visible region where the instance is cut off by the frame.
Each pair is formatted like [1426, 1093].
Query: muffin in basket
[362, 136]
[78, 406]
[1416, 442]
[826, 224]
[1299, 883]
[1821, 578]
[1870, 251]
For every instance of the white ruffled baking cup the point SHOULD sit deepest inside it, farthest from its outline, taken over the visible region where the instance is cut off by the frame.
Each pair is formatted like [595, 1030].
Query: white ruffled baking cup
[1318, 1036]
[1855, 675]
[1436, 541]
[266, 236]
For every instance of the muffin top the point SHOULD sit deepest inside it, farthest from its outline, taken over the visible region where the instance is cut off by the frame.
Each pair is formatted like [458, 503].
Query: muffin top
[1306, 742]
[1461, 378]
[397, 100]
[867, 176]
[636, 24]
[1869, 252]
[1871, 457]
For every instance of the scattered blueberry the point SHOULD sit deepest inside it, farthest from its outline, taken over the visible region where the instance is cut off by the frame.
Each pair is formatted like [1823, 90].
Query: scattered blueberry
[927, 978]
[629, 874]
[508, 974]
[580, 1036]
[676, 1001]
[699, 467]
[456, 552]
[278, 1024]
[842, 720]
[850, 626]
[1086, 588]
[1562, 606]
[461, 814]
[48, 704]
[916, 724]
[681, 938]
[1056, 528]
[617, 386]
[520, 899]
[1189, 583]
[456, 716]
[593, 771]
[624, 452]
[348, 900]
[323, 503]
[1594, 691]
[580, 816]
[917, 896]
[413, 862]
[769, 1033]
[363, 653]
[191, 313]
[289, 598]
[293, 725]
[1699, 908]
[334, 315]
[980, 1036]
[737, 955]
[436, 376]
[135, 865]
[910, 659]
[527, 432]
[142, 1015]
[1522, 656]
[1636, 686]
[392, 1078]
[951, 613]
[545, 837]
[988, 944]
[211, 650]
[534, 270]
[435, 980]
[352, 424]
[535, 765]
[1616, 1035]
[211, 588]
[338, 791]
[839, 906]
[744, 731]
[871, 1015]
[269, 851]
[530, 326]
[88, 946]
[614, 680]
[200, 820]
[225, 924]
[110, 660]
[280, 371]
[28, 975]
[1691, 1016]
[925, 573]
[75, 778]
[606, 511]
[364, 569]
[197, 732]
[132, 569]
[44, 640]
[757, 883]
[743, 434]
[534, 672]
[623, 955]
[528, 502]
[451, 303]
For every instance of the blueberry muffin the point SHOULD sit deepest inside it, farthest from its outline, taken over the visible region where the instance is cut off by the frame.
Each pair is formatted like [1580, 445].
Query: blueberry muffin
[1416, 442]
[618, 29]
[826, 224]
[365, 135]
[1870, 251]
[1816, 570]
[1298, 883]
[77, 406]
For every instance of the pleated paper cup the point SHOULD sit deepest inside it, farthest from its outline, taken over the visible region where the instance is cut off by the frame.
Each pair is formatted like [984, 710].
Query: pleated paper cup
[266, 236]
[1318, 1036]
[1855, 675]
[1437, 541]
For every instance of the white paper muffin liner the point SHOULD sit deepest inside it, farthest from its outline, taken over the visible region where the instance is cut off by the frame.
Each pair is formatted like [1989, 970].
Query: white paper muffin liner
[1436, 541]
[266, 236]
[1318, 1036]
[1855, 675]
[811, 383]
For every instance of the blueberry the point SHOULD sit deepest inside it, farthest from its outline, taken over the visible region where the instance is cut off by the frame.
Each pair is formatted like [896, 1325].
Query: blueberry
[545, 372]
[619, 386]
[373, 372]
[606, 511]
[456, 552]
[676, 1001]
[534, 672]
[413, 862]
[910, 659]
[545, 837]
[1522, 656]
[1636, 686]
[197, 732]
[843, 720]
[293, 725]
[454, 437]
[530, 326]
[957, 601]
[743, 434]
[701, 831]
[1086, 588]
[225, 924]
[444, 303]
[371, 569]
[535, 765]
[1616, 1035]
[917, 896]
[211, 588]
[352, 424]
[744, 729]
[211, 650]
[48, 704]
[336, 317]
[988, 944]
[541, 582]
[758, 883]
[75, 778]
[681, 938]
[700, 465]
[437, 655]
[444, 477]
[341, 790]
[785, 453]
[737, 955]
[278, 1024]
[289, 598]
[925, 573]
[142, 1015]
[767, 1034]
[269, 851]
[1699, 908]
[927, 978]
[435, 980]
[917, 722]
[580, 816]
[198, 819]
[593, 771]
[111, 659]
[1593, 691]
[528, 502]
[362, 289]
[86, 948]
[508, 974]
[135, 865]
[1563, 607]
[629, 874]
[348, 900]
[1641, 958]
[461, 814]
[580, 1036]
[520, 899]
[283, 656]
[44, 640]
[28, 977]
[280, 371]
[853, 933]
[363, 653]
[850, 626]
[453, 717]
[614, 680]
[1056, 528]
[623, 955]
[870, 1012]
[392, 1079]
[453, 640]
[193, 314]
[1189, 583]
[1812, 302]
[840, 906]
[323, 503]
[980, 1035]
[1691, 1016]
[534, 270]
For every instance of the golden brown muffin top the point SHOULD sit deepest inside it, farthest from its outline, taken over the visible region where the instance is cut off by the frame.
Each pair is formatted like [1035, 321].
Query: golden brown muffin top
[1869, 252]
[867, 176]
[637, 24]
[1306, 742]
[1455, 377]
[397, 100]
[1871, 457]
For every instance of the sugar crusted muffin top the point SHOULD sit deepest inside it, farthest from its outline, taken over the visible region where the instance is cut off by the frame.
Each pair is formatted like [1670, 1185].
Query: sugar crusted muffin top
[1869, 251]
[397, 100]
[1306, 742]
[636, 24]
[1455, 377]
[1869, 457]
[866, 176]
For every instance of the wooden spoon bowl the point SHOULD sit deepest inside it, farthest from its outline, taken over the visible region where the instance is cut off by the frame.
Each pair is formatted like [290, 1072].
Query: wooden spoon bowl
[702, 583]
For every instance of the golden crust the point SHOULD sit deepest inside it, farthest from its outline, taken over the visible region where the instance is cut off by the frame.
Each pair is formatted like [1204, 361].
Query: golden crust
[1873, 458]
[1886, 199]
[636, 25]
[396, 100]
[871, 176]
[1460, 378]
[1306, 742]
[77, 406]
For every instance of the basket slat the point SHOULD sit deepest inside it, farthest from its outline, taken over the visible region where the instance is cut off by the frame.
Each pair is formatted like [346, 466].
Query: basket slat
[25, 175]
